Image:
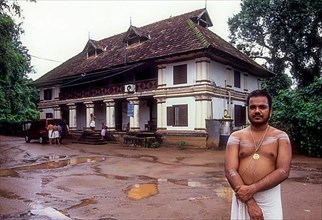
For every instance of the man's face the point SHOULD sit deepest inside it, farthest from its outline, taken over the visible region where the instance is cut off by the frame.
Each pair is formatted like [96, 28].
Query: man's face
[258, 110]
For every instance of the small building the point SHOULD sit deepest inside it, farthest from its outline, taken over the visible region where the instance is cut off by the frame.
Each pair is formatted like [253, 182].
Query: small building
[167, 77]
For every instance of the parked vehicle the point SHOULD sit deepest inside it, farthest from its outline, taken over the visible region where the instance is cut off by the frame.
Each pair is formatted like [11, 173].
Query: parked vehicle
[37, 130]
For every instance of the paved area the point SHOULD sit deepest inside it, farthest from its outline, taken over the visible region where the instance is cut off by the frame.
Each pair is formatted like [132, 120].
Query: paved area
[75, 181]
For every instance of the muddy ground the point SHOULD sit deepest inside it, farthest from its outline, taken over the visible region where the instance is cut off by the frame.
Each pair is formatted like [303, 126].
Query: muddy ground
[74, 181]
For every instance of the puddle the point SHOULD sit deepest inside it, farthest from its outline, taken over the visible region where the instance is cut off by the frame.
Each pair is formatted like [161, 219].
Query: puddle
[9, 195]
[84, 202]
[183, 182]
[50, 165]
[54, 157]
[141, 191]
[49, 212]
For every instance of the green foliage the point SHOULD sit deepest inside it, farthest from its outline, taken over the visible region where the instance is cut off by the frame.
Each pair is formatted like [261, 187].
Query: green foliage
[17, 99]
[283, 33]
[274, 84]
[154, 145]
[299, 113]
[180, 145]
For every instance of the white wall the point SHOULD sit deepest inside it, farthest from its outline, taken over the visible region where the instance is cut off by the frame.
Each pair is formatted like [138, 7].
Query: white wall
[218, 107]
[191, 73]
[253, 83]
[47, 110]
[218, 74]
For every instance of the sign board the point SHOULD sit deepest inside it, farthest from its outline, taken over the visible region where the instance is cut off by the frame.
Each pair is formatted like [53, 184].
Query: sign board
[130, 109]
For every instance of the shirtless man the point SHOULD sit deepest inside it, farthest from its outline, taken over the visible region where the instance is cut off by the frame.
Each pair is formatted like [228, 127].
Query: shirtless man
[50, 129]
[257, 160]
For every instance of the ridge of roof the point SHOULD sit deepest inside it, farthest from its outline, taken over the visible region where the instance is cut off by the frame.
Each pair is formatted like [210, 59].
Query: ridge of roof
[198, 34]
[174, 35]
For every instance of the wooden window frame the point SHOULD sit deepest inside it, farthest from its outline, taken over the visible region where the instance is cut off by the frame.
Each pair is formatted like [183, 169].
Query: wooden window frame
[180, 74]
[237, 78]
[177, 115]
[48, 94]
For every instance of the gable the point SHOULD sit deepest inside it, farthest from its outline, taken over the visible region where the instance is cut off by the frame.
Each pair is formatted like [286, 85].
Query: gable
[203, 19]
[135, 35]
[92, 48]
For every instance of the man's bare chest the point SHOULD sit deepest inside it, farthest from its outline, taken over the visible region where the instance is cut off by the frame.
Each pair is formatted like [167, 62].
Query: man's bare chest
[268, 148]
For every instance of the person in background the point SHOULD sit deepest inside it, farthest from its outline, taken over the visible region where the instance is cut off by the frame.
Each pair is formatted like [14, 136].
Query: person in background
[50, 129]
[103, 132]
[257, 160]
[60, 129]
[56, 135]
[92, 122]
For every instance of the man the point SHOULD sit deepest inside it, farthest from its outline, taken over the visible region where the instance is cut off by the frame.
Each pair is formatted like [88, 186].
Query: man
[257, 160]
[92, 122]
[50, 129]
[56, 134]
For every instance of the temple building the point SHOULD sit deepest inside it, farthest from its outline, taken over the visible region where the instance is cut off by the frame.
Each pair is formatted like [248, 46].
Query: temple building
[167, 77]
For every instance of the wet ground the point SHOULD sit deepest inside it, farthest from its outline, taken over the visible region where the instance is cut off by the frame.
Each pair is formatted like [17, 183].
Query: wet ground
[75, 181]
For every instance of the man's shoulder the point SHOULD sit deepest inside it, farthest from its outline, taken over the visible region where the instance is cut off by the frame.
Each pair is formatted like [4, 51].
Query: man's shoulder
[240, 132]
[279, 134]
[277, 131]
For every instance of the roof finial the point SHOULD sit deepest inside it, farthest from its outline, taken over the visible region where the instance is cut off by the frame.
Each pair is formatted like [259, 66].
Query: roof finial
[205, 4]
[130, 21]
[89, 35]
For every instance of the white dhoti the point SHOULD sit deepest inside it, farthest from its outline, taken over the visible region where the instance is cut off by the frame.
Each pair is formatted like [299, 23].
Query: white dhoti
[92, 124]
[50, 134]
[269, 201]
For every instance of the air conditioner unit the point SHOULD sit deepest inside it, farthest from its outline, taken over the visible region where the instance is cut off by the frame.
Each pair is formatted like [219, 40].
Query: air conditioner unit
[129, 88]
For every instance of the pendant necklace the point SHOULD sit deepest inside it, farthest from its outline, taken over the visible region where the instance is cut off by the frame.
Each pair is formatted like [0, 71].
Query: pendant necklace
[258, 145]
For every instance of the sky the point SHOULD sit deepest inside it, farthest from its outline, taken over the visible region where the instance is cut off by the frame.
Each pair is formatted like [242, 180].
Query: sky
[56, 30]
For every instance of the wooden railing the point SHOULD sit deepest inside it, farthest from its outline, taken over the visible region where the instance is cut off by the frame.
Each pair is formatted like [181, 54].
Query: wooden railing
[140, 86]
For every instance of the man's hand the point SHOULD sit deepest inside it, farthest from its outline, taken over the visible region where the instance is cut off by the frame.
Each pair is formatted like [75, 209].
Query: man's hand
[254, 211]
[244, 192]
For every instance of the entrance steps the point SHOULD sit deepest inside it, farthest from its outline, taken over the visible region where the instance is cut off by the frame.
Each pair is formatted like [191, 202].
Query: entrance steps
[94, 138]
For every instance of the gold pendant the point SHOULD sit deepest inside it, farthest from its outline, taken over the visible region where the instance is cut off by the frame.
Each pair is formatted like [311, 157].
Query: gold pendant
[256, 156]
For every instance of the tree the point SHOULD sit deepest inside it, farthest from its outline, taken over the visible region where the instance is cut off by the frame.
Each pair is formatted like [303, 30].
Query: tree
[298, 112]
[285, 34]
[17, 98]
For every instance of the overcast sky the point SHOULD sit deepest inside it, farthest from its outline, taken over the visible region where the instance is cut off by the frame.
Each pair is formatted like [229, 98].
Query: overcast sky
[56, 30]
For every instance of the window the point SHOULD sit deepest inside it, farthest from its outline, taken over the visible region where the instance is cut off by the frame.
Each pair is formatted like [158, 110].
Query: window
[237, 78]
[48, 94]
[180, 74]
[91, 52]
[177, 115]
[49, 115]
[240, 115]
[133, 40]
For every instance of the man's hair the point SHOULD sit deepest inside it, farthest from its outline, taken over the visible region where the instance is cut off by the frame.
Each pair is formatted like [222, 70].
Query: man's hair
[257, 93]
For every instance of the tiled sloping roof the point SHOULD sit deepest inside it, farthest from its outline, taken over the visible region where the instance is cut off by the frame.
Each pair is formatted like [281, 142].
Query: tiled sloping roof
[171, 36]
[218, 43]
